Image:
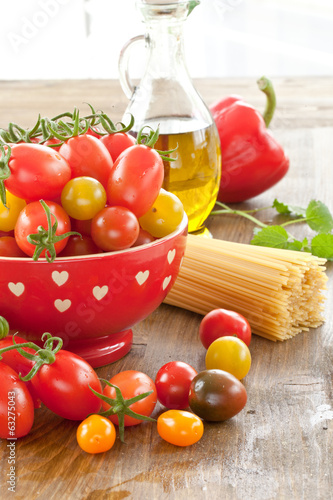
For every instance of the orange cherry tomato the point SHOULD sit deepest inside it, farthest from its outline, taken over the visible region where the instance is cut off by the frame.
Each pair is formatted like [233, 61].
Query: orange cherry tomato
[179, 427]
[96, 434]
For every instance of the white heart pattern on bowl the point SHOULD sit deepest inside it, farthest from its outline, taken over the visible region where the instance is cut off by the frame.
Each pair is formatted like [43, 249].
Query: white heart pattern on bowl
[142, 277]
[60, 278]
[99, 292]
[62, 305]
[171, 255]
[16, 288]
[166, 282]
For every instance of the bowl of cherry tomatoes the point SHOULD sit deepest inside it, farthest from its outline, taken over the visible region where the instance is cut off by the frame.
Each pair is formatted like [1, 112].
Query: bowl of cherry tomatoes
[90, 243]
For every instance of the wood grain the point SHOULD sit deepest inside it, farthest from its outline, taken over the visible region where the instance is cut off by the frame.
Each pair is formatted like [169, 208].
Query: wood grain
[280, 446]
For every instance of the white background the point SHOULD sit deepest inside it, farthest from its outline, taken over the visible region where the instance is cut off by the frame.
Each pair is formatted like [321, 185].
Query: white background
[57, 39]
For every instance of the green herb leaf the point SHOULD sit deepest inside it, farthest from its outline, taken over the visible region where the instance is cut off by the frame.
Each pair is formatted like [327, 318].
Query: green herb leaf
[271, 236]
[322, 246]
[284, 209]
[319, 217]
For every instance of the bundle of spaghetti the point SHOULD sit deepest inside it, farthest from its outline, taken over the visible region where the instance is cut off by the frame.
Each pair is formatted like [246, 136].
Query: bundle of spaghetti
[280, 292]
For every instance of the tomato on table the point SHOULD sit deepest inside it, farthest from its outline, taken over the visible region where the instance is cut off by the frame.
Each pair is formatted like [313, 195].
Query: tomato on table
[173, 382]
[117, 143]
[216, 395]
[229, 354]
[114, 228]
[16, 405]
[223, 322]
[96, 434]
[179, 427]
[36, 172]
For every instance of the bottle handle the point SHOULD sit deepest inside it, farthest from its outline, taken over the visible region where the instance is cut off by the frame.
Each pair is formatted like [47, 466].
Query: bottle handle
[123, 65]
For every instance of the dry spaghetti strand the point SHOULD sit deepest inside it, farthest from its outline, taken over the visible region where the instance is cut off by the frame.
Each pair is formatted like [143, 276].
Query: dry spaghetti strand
[280, 292]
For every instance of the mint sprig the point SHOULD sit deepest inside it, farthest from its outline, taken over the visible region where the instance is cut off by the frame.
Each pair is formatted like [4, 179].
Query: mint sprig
[316, 215]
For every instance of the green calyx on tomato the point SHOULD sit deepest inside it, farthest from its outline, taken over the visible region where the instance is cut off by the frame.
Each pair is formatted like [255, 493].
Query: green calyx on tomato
[43, 356]
[4, 327]
[120, 406]
[4, 171]
[45, 239]
[150, 140]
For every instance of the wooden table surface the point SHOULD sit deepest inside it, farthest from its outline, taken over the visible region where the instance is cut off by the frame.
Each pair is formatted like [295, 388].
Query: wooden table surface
[280, 446]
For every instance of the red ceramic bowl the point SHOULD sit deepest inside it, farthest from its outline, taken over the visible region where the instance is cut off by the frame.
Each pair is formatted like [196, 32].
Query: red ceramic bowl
[90, 301]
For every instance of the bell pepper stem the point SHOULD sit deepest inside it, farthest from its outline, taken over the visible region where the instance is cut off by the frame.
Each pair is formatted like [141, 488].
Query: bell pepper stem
[266, 86]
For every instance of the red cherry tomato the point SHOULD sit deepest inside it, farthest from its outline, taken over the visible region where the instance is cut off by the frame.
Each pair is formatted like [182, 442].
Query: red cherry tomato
[77, 245]
[87, 157]
[173, 382]
[16, 405]
[221, 322]
[9, 247]
[37, 172]
[32, 216]
[117, 143]
[144, 238]
[136, 179]
[132, 383]
[179, 427]
[114, 228]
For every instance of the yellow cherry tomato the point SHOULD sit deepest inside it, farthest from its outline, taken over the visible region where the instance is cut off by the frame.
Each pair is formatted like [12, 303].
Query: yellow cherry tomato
[164, 216]
[229, 354]
[96, 434]
[83, 197]
[180, 427]
[9, 215]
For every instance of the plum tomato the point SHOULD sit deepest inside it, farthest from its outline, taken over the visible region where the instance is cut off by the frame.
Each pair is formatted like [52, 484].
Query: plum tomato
[37, 172]
[16, 405]
[96, 434]
[114, 228]
[179, 427]
[87, 157]
[132, 383]
[83, 197]
[216, 395]
[32, 216]
[117, 143]
[221, 322]
[229, 354]
[173, 384]
[136, 179]
[164, 216]
[10, 212]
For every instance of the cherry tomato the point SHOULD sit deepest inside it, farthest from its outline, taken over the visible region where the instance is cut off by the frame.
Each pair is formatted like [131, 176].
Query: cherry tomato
[9, 247]
[117, 143]
[143, 239]
[32, 216]
[18, 363]
[132, 383]
[136, 179]
[37, 172]
[229, 354]
[180, 427]
[164, 216]
[81, 226]
[63, 386]
[16, 405]
[222, 322]
[10, 213]
[114, 228]
[173, 382]
[87, 157]
[83, 197]
[96, 434]
[77, 245]
[51, 142]
[216, 395]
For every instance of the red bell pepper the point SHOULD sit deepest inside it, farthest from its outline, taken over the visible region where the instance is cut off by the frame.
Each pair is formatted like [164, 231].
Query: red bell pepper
[252, 159]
